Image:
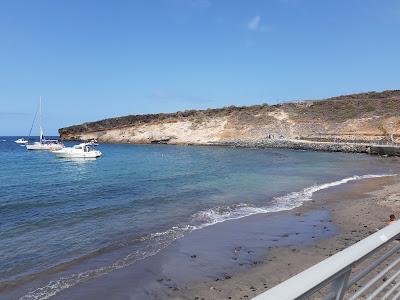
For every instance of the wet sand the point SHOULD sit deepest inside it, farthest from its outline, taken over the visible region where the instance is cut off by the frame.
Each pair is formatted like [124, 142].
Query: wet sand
[211, 254]
[357, 210]
[239, 259]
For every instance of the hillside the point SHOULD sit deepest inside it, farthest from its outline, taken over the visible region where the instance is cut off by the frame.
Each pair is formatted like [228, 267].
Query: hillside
[373, 116]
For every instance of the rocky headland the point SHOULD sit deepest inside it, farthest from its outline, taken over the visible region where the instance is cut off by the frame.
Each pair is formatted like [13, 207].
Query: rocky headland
[350, 123]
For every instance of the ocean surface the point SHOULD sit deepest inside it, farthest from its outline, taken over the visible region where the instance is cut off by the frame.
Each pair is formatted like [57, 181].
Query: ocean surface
[66, 221]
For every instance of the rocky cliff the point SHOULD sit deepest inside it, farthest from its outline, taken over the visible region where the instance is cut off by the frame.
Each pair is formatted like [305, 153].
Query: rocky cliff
[365, 117]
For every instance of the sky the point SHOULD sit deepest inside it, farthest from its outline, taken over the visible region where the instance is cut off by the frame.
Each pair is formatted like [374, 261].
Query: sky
[91, 60]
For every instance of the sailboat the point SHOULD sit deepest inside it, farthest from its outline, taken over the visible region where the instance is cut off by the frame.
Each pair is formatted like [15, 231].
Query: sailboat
[44, 144]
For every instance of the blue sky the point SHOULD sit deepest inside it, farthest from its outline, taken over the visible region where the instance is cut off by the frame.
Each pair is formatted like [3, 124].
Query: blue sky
[96, 59]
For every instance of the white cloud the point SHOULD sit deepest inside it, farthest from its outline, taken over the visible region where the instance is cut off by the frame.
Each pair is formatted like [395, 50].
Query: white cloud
[254, 23]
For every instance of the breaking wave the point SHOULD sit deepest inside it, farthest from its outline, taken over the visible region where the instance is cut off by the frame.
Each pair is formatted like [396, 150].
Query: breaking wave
[287, 202]
[155, 242]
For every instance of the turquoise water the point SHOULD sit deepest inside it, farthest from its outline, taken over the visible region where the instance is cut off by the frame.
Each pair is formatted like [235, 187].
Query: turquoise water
[137, 199]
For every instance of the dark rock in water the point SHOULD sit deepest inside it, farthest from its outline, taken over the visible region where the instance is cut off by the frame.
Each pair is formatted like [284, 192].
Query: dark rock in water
[161, 141]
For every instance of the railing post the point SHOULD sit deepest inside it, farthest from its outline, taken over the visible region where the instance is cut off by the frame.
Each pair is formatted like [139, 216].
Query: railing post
[335, 270]
[339, 285]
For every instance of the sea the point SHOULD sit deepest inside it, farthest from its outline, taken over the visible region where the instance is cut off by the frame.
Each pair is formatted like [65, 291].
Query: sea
[64, 221]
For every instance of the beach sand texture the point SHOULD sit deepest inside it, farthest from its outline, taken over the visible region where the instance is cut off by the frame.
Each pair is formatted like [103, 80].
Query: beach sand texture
[357, 211]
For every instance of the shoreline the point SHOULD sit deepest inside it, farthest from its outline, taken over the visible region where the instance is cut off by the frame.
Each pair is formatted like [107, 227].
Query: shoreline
[346, 205]
[253, 197]
[365, 147]
[364, 117]
[241, 258]
[250, 248]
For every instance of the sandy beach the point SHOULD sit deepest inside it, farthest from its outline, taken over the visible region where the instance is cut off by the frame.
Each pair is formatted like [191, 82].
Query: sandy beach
[357, 210]
[239, 259]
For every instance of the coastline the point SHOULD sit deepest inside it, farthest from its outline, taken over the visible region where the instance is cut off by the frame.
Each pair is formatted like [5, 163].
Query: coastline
[363, 147]
[259, 219]
[238, 259]
[357, 118]
[357, 212]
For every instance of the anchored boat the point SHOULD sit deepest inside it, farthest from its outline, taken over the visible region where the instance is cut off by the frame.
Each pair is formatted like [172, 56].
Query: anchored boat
[43, 143]
[21, 141]
[83, 150]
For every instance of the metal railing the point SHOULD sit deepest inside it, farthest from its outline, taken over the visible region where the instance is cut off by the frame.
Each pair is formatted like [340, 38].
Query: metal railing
[349, 273]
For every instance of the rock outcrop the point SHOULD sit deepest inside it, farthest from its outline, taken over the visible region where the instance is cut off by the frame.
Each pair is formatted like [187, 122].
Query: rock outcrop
[366, 117]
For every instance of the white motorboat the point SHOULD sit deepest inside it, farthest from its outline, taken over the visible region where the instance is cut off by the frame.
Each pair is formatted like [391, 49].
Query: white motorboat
[83, 150]
[21, 141]
[43, 143]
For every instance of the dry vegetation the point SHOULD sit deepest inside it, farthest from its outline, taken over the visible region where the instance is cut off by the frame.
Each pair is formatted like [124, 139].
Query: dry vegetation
[310, 119]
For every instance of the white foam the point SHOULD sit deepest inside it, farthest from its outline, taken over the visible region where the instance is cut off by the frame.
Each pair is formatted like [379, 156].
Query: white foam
[161, 241]
[287, 202]
[221, 214]
[201, 219]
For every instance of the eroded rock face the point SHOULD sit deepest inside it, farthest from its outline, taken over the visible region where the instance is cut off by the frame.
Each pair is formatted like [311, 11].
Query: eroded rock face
[354, 118]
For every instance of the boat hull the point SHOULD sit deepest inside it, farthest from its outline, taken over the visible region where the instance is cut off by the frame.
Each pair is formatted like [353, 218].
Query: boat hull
[44, 147]
[67, 154]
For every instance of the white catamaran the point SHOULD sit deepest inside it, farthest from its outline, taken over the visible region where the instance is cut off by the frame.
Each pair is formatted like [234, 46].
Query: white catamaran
[43, 143]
